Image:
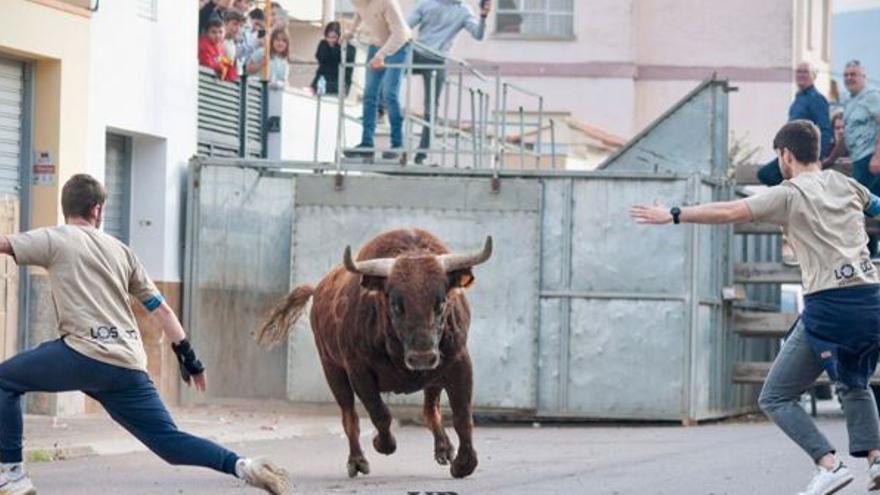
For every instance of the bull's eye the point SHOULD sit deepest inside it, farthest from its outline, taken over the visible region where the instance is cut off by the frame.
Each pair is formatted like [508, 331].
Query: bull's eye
[397, 307]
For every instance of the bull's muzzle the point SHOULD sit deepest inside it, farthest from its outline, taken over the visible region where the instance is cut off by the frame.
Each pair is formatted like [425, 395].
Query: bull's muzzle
[422, 360]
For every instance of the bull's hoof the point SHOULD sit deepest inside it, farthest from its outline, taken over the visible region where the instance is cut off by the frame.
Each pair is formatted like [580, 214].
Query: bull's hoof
[444, 452]
[385, 444]
[464, 464]
[357, 465]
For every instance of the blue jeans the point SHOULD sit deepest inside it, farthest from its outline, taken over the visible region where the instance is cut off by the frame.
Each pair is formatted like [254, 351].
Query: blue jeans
[128, 395]
[793, 372]
[387, 82]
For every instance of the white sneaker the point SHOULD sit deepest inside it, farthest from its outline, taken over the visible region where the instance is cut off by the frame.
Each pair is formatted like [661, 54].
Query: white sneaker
[19, 486]
[262, 473]
[874, 476]
[828, 481]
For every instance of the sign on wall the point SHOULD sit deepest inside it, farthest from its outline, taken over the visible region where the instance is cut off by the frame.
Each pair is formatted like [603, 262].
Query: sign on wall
[45, 173]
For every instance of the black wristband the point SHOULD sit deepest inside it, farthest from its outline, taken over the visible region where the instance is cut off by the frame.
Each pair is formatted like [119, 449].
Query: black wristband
[186, 357]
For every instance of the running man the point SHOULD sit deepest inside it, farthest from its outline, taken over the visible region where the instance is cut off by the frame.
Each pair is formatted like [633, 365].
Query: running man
[100, 351]
[839, 330]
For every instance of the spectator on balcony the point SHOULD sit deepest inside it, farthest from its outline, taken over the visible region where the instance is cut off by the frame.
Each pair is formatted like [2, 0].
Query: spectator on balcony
[279, 65]
[389, 37]
[810, 105]
[838, 125]
[251, 38]
[329, 56]
[439, 22]
[232, 29]
[211, 51]
[212, 9]
[861, 139]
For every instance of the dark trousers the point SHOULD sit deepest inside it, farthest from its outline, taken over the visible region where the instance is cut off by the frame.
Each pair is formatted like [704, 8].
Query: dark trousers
[128, 395]
[439, 77]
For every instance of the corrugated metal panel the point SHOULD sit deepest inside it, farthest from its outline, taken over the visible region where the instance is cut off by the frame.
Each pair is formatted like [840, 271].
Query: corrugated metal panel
[220, 108]
[242, 269]
[117, 180]
[11, 97]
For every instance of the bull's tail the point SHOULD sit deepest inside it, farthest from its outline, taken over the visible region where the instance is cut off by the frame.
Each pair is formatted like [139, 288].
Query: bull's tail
[274, 330]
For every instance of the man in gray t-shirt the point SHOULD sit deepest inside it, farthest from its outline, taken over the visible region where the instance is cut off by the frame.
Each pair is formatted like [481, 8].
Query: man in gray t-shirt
[822, 212]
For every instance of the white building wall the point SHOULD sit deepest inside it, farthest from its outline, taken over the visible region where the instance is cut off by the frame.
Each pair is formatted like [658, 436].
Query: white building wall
[144, 83]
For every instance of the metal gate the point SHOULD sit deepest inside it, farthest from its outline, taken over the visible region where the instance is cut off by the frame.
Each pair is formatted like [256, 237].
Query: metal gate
[579, 314]
[461, 211]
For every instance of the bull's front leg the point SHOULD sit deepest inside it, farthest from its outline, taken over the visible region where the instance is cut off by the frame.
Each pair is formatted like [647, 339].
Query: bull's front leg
[443, 450]
[367, 389]
[460, 389]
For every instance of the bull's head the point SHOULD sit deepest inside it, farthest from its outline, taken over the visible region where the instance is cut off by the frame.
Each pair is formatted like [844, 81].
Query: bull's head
[417, 287]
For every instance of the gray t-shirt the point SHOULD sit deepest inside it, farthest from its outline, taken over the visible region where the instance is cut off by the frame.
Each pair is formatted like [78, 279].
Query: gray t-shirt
[93, 278]
[823, 214]
[860, 123]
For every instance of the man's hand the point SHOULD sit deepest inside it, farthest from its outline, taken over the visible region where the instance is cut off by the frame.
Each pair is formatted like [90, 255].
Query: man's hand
[378, 63]
[875, 164]
[652, 215]
[486, 8]
[200, 381]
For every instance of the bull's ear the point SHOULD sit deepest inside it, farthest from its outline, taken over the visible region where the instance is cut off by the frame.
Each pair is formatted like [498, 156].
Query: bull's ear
[371, 282]
[461, 279]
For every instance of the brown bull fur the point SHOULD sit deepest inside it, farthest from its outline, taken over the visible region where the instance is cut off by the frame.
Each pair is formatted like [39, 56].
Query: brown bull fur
[362, 350]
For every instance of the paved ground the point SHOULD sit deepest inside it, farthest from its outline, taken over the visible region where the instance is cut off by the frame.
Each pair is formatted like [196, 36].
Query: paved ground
[732, 458]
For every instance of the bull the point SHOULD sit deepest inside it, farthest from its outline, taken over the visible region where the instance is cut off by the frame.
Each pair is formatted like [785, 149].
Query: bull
[394, 320]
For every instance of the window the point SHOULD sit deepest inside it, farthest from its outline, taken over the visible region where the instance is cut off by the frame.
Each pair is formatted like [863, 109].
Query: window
[535, 18]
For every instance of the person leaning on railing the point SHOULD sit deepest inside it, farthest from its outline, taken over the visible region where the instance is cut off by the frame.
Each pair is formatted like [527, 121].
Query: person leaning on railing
[211, 52]
[251, 37]
[329, 57]
[439, 22]
[279, 64]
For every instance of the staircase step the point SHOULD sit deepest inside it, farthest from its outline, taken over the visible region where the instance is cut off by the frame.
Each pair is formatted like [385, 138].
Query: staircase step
[756, 373]
[766, 273]
[758, 324]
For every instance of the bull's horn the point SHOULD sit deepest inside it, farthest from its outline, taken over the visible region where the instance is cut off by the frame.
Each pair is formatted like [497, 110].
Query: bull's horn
[380, 267]
[453, 262]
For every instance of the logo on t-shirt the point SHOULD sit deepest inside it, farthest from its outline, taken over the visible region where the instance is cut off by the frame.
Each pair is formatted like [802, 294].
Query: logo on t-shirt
[104, 333]
[848, 271]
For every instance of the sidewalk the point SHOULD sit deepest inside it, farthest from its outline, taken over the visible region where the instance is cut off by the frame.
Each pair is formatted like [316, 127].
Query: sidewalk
[59, 438]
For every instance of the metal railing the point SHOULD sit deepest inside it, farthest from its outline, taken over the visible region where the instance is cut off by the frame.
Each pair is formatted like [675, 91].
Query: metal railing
[471, 124]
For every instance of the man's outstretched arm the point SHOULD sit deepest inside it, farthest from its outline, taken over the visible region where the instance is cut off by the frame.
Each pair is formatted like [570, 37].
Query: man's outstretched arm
[710, 213]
